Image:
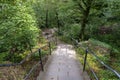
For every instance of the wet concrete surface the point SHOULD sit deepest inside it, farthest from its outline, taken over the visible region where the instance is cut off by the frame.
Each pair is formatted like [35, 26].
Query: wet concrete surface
[63, 65]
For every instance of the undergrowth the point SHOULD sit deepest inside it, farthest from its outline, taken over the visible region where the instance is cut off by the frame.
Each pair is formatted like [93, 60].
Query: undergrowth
[102, 51]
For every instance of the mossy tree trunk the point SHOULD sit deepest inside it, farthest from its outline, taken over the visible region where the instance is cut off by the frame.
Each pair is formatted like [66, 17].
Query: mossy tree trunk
[85, 12]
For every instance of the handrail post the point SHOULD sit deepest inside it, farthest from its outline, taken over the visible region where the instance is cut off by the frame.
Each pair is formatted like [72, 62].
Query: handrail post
[85, 59]
[56, 39]
[40, 56]
[50, 47]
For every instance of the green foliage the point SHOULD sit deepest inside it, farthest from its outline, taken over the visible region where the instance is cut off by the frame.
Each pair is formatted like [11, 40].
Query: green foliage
[105, 14]
[70, 31]
[15, 58]
[36, 56]
[100, 70]
[2, 55]
[39, 8]
[111, 38]
[107, 75]
[18, 30]
[99, 43]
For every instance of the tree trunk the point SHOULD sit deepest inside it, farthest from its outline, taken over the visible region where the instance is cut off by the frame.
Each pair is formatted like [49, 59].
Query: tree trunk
[85, 20]
[58, 23]
[47, 18]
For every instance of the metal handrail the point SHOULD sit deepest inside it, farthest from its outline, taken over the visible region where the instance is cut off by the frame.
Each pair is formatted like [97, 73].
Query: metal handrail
[100, 61]
[28, 74]
[31, 70]
[21, 62]
[28, 56]
[85, 61]
[40, 61]
[95, 75]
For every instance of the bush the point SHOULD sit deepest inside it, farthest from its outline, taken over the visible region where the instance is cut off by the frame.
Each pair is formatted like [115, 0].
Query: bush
[18, 28]
[70, 31]
[15, 58]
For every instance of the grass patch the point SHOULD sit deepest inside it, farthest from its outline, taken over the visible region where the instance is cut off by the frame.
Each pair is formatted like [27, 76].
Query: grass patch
[102, 51]
[102, 44]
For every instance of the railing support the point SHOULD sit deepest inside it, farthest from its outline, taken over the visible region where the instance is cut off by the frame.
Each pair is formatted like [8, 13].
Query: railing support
[50, 47]
[56, 40]
[85, 60]
[40, 56]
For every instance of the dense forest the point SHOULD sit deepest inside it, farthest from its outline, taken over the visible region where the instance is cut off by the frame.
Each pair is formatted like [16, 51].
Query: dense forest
[95, 21]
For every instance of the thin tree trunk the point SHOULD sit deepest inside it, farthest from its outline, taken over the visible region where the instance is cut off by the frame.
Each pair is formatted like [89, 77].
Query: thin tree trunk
[47, 18]
[58, 25]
